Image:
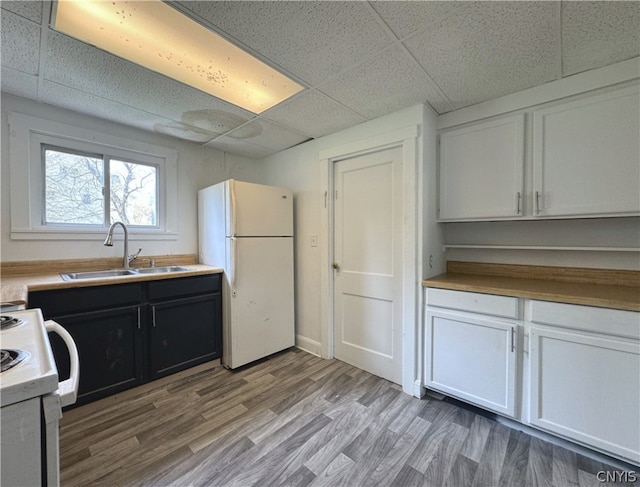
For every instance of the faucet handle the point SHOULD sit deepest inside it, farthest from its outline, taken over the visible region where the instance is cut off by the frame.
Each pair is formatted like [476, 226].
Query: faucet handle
[133, 257]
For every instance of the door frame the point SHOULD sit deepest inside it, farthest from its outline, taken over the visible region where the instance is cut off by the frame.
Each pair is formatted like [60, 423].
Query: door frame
[407, 138]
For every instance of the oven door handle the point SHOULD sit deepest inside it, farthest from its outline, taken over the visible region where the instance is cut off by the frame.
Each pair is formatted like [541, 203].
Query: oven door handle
[67, 389]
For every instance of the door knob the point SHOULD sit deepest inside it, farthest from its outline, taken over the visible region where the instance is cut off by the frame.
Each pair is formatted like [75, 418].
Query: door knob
[335, 266]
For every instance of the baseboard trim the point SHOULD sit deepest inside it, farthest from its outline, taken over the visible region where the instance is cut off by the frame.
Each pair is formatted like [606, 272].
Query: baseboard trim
[308, 345]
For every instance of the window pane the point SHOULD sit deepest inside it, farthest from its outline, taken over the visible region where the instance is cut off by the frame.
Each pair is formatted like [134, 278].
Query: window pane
[133, 193]
[73, 188]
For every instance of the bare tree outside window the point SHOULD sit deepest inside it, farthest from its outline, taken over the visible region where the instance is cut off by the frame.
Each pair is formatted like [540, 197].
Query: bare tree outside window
[133, 193]
[75, 186]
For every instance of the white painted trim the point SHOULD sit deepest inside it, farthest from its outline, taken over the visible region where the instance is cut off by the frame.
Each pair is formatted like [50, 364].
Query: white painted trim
[326, 256]
[370, 144]
[308, 345]
[411, 272]
[25, 135]
[572, 85]
[406, 138]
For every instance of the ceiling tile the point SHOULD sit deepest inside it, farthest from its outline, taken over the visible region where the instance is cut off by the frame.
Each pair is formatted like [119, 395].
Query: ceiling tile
[496, 48]
[184, 132]
[389, 82]
[307, 38]
[240, 147]
[89, 104]
[20, 43]
[19, 83]
[267, 134]
[403, 18]
[596, 34]
[314, 114]
[28, 10]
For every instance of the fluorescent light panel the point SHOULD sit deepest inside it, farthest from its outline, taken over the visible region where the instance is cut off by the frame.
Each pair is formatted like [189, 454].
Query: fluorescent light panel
[155, 35]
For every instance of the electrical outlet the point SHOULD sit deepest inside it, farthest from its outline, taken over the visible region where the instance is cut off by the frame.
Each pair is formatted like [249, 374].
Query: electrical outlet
[314, 240]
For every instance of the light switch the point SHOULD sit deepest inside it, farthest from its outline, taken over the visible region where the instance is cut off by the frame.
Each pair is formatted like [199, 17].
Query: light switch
[314, 240]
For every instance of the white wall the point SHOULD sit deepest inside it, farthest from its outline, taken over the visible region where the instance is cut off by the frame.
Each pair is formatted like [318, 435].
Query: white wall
[198, 167]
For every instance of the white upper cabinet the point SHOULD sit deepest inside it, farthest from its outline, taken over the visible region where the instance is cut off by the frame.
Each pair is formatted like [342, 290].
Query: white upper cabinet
[481, 170]
[577, 158]
[586, 156]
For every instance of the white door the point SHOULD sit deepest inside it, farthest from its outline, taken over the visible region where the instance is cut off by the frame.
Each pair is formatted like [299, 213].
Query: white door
[367, 251]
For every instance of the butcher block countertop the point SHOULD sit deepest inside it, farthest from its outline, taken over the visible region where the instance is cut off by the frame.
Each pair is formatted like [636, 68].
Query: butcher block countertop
[606, 288]
[18, 278]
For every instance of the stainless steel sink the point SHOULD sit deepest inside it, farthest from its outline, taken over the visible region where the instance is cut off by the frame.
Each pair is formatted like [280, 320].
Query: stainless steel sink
[73, 276]
[161, 270]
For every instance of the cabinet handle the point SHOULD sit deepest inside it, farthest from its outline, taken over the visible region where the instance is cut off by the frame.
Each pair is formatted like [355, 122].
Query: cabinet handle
[519, 201]
[513, 338]
[537, 202]
[138, 317]
[153, 316]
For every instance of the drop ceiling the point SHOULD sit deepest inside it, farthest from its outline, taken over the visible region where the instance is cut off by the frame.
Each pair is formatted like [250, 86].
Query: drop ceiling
[357, 61]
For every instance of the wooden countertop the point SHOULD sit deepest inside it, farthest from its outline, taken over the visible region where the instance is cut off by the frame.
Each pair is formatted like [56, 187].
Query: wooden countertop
[20, 278]
[592, 287]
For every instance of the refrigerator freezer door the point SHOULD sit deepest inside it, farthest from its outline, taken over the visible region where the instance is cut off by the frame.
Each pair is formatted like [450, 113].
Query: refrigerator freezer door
[255, 210]
[259, 314]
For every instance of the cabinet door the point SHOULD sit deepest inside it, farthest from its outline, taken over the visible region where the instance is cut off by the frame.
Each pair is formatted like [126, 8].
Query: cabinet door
[481, 170]
[184, 333]
[586, 156]
[585, 387]
[109, 349]
[472, 358]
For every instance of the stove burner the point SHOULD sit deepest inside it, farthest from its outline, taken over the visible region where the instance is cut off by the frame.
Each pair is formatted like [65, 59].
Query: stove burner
[11, 358]
[9, 322]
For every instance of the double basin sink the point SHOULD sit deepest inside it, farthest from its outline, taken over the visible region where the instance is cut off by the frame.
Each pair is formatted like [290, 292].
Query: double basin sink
[75, 276]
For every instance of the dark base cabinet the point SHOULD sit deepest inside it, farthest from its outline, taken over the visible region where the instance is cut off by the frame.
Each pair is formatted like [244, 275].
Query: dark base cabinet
[109, 350]
[129, 334]
[185, 331]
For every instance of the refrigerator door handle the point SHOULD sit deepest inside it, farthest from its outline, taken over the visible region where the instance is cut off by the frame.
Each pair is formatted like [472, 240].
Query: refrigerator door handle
[234, 208]
[234, 264]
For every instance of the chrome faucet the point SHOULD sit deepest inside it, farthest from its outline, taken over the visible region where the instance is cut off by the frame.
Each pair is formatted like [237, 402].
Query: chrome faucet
[127, 259]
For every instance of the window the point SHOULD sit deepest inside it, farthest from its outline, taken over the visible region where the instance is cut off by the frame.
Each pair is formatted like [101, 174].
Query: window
[89, 189]
[77, 182]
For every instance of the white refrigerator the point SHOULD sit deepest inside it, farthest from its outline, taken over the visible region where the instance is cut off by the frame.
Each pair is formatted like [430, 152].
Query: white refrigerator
[247, 229]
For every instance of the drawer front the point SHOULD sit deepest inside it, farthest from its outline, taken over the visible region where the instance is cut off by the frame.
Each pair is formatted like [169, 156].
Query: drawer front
[79, 300]
[184, 286]
[588, 318]
[503, 306]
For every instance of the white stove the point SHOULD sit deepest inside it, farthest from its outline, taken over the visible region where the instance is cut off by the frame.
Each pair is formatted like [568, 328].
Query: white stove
[32, 398]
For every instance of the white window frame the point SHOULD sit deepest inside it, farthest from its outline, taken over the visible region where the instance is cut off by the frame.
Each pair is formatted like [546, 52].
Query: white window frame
[28, 134]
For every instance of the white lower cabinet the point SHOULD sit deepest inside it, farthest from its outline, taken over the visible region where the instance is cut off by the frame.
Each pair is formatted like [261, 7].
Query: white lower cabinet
[579, 376]
[584, 384]
[472, 359]
[472, 356]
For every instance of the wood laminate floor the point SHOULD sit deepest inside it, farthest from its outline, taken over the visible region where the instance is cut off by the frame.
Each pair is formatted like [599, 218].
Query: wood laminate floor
[298, 420]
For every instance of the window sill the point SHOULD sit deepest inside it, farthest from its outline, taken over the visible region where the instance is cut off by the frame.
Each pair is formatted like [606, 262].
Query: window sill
[134, 235]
